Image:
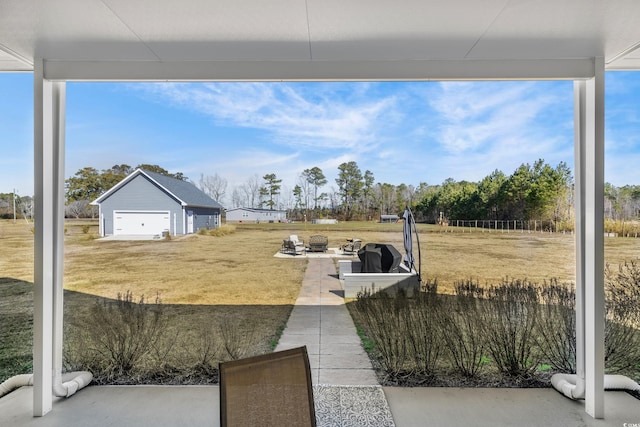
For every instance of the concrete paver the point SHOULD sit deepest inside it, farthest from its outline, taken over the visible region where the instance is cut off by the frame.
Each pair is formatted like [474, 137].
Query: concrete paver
[320, 320]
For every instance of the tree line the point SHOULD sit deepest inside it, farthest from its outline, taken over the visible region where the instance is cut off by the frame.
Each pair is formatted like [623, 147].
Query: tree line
[531, 192]
[13, 204]
[535, 191]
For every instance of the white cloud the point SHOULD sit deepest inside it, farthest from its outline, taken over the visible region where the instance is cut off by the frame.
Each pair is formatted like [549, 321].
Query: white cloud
[293, 116]
[481, 116]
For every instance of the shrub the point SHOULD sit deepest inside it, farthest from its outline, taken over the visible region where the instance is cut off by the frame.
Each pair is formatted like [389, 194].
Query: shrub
[424, 340]
[223, 230]
[117, 335]
[236, 340]
[622, 338]
[403, 332]
[461, 328]
[85, 229]
[556, 331]
[509, 317]
[382, 317]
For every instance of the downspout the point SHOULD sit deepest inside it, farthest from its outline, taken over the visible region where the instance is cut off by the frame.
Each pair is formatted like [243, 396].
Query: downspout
[572, 386]
[15, 382]
[77, 381]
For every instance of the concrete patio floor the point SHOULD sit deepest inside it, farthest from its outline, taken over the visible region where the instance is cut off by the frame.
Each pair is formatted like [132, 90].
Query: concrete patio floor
[320, 321]
[161, 406]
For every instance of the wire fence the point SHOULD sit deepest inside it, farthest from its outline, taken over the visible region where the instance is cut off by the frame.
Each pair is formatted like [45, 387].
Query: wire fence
[504, 226]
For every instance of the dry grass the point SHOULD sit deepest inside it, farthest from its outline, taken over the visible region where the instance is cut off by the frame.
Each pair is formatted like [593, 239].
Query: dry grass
[234, 269]
[203, 279]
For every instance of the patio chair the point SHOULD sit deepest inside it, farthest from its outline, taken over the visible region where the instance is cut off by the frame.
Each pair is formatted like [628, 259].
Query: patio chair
[297, 245]
[270, 390]
[291, 248]
[352, 246]
[318, 243]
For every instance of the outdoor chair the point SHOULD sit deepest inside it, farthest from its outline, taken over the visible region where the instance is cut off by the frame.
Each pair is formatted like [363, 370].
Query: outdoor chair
[352, 246]
[318, 243]
[292, 248]
[298, 244]
[296, 241]
[270, 390]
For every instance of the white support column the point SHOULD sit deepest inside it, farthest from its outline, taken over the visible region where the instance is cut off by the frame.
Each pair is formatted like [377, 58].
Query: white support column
[49, 223]
[579, 121]
[58, 130]
[589, 96]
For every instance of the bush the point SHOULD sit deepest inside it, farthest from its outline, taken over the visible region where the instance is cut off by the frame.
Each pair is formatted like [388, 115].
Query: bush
[424, 340]
[403, 332]
[556, 331]
[509, 317]
[223, 230]
[235, 339]
[383, 318]
[461, 328]
[116, 336]
[518, 323]
[622, 338]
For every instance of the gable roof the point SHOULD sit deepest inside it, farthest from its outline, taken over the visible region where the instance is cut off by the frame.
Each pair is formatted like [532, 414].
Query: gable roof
[258, 210]
[183, 191]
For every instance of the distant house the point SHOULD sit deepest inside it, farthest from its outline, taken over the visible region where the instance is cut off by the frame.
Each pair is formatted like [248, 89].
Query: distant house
[147, 203]
[256, 215]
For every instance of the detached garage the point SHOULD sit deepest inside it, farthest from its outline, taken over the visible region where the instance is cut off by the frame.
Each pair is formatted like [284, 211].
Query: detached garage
[150, 204]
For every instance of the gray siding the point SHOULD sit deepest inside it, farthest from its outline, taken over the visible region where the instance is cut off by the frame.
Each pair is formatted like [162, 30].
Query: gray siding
[206, 218]
[253, 215]
[141, 194]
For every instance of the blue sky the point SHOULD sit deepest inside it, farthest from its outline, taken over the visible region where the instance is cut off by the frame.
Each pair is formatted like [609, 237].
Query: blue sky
[404, 132]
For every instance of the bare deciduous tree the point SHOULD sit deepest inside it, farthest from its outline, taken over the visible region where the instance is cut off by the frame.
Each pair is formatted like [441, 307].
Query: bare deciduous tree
[214, 186]
[78, 209]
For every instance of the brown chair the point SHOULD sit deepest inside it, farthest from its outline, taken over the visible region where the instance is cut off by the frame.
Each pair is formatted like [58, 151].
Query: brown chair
[270, 390]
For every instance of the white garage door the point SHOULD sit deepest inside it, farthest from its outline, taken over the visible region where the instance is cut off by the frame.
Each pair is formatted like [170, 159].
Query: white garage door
[140, 222]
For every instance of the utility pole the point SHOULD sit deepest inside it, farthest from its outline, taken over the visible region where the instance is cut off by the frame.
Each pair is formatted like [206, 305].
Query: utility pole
[14, 205]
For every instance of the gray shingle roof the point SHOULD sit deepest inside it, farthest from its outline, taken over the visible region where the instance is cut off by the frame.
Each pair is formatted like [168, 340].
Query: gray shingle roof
[184, 190]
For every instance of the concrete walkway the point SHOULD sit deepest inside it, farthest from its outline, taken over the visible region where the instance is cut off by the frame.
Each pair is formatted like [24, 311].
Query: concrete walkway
[320, 320]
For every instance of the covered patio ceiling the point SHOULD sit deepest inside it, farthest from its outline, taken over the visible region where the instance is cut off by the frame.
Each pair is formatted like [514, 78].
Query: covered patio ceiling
[317, 39]
[65, 40]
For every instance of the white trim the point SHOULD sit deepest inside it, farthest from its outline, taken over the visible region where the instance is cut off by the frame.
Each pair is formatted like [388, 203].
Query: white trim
[20, 58]
[579, 122]
[128, 179]
[589, 176]
[59, 110]
[308, 70]
[594, 242]
[49, 117]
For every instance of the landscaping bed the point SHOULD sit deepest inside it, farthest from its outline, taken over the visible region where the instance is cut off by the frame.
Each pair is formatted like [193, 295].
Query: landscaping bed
[513, 334]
